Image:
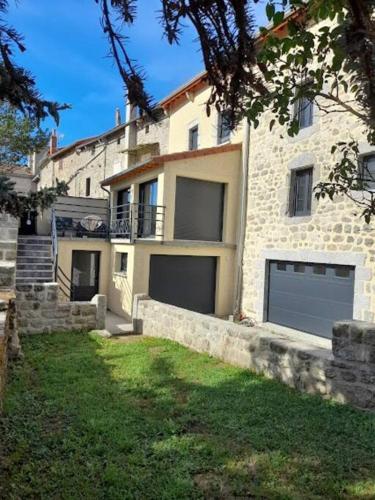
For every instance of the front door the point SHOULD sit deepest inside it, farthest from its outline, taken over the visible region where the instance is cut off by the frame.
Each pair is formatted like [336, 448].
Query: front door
[27, 224]
[148, 198]
[85, 275]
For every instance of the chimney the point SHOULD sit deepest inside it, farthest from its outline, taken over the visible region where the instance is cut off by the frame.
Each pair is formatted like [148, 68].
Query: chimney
[117, 117]
[53, 142]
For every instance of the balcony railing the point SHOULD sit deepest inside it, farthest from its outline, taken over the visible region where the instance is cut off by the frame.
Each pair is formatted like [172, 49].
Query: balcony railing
[81, 218]
[137, 220]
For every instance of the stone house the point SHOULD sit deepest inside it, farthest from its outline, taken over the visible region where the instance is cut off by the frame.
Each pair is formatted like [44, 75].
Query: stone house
[86, 162]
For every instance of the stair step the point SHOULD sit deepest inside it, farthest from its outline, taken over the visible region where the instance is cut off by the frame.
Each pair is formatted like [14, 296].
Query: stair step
[33, 260]
[34, 241]
[45, 248]
[35, 266]
[33, 253]
[29, 281]
[23, 273]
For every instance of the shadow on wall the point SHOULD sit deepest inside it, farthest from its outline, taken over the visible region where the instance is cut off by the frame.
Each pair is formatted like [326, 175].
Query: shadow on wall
[157, 420]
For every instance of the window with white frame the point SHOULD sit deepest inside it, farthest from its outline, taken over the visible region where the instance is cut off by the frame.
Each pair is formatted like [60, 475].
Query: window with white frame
[223, 128]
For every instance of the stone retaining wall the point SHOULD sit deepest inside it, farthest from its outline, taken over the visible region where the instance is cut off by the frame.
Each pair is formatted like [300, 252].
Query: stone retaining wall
[299, 364]
[39, 311]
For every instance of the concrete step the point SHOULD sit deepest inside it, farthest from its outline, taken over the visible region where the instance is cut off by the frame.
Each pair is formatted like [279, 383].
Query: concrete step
[34, 240]
[33, 260]
[47, 275]
[29, 281]
[31, 247]
[47, 266]
[33, 253]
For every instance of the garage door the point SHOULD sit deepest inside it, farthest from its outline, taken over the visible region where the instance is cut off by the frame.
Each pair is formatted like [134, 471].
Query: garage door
[184, 281]
[310, 297]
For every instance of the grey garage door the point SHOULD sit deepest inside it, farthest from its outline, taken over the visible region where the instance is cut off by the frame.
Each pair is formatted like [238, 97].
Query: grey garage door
[184, 281]
[310, 297]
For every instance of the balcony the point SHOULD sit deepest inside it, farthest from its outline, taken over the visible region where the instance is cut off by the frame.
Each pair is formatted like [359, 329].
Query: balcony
[76, 217]
[137, 221]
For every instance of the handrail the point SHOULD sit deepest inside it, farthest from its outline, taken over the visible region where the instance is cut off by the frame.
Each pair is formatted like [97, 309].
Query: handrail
[62, 279]
[54, 243]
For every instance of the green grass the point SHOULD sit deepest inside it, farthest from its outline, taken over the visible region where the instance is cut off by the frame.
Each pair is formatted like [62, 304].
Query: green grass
[92, 418]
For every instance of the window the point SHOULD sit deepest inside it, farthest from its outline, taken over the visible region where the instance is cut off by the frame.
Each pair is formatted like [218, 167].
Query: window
[147, 129]
[299, 268]
[118, 140]
[88, 186]
[342, 272]
[304, 111]
[123, 263]
[281, 266]
[93, 151]
[300, 192]
[223, 129]
[193, 138]
[319, 269]
[368, 172]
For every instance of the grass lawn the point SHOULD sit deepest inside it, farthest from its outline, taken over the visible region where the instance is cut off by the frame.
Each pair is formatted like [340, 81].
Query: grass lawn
[92, 418]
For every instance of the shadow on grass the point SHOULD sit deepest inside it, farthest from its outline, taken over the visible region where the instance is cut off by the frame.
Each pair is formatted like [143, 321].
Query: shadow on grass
[92, 418]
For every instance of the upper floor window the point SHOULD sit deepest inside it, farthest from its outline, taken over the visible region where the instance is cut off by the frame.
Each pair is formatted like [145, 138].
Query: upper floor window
[368, 172]
[304, 111]
[193, 138]
[301, 192]
[223, 128]
[88, 186]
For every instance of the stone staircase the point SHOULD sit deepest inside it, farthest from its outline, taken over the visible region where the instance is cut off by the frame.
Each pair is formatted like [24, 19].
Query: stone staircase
[34, 260]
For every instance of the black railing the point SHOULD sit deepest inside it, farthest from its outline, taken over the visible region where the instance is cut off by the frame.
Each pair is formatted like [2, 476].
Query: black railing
[137, 220]
[74, 218]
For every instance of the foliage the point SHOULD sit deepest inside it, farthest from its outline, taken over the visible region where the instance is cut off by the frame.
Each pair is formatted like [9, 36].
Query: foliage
[147, 418]
[15, 205]
[19, 135]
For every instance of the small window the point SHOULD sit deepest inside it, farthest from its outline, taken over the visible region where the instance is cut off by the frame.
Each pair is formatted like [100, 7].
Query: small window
[299, 268]
[123, 263]
[319, 269]
[119, 140]
[147, 129]
[223, 128]
[368, 172]
[281, 266]
[93, 151]
[342, 272]
[304, 111]
[301, 192]
[193, 138]
[88, 186]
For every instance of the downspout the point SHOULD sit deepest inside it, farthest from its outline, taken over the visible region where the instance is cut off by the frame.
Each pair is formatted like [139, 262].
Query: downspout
[242, 223]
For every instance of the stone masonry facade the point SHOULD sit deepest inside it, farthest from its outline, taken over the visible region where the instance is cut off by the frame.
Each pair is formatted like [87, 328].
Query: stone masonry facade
[39, 311]
[334, 233]
[345, 374]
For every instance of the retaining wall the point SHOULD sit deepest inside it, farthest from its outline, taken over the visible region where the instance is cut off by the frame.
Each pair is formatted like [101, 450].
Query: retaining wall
[39, 311]
[338, 374]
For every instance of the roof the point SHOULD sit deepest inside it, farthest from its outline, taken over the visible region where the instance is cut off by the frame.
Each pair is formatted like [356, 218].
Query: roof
[16, 170]
[157, 161]
[198, 82]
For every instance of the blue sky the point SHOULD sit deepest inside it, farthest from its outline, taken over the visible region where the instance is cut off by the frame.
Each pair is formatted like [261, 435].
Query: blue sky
[68, 55]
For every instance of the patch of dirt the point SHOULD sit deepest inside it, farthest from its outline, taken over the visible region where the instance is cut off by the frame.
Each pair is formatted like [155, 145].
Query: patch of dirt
[121, 339]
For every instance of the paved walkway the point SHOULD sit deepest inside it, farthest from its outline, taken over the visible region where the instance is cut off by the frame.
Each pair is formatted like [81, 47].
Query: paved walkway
[117, 325]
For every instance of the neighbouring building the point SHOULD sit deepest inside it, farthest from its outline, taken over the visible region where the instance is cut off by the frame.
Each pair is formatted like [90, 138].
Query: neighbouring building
[305, 264]
[84, 164]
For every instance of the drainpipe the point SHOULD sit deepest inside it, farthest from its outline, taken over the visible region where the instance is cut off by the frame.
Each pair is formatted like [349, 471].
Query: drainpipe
[242, 222]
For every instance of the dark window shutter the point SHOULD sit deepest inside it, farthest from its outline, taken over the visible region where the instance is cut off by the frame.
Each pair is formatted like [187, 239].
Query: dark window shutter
[292, 193]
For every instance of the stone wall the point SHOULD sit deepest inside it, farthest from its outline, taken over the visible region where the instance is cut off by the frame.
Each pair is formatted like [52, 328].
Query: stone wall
[39, 311]
[9, 343]
[301, 364]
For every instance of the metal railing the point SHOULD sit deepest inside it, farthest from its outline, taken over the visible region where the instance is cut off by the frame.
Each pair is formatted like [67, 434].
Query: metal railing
[64, 282]
[75, 217]
[54, 243]
[137, 220]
